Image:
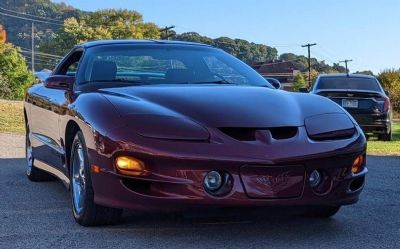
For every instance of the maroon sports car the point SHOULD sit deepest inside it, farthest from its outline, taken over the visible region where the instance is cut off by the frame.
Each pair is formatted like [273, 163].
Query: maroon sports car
[171, 126]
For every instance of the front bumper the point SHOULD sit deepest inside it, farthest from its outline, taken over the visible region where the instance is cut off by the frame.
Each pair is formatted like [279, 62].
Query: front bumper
[178, 185]
[178, 169]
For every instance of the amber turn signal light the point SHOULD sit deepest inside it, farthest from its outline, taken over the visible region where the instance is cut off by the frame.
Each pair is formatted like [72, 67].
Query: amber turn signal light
[130, 166]
[358, 164]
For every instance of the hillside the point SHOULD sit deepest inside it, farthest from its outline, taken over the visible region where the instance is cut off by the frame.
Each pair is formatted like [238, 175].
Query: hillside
[51, 17]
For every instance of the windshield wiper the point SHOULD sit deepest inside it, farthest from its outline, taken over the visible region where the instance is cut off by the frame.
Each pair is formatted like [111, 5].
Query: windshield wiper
[222, 82]
[112, 81]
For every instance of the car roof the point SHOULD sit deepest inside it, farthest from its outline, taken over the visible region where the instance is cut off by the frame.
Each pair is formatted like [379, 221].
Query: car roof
[343, 75]
[139, 42]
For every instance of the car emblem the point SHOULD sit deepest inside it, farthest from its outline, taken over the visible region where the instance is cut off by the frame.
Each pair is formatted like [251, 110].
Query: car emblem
[273, 181]
[350, 95]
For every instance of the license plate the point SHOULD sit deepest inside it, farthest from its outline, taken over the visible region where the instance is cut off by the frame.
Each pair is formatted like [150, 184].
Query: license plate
[350, 103]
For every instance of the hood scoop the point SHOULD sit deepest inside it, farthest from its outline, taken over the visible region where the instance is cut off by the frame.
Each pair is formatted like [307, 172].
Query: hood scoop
[250, 134]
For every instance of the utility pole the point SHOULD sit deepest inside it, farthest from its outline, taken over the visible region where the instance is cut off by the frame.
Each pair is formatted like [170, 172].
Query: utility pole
[309, 61]
[345, 62]
[33, 47]
[166, 30]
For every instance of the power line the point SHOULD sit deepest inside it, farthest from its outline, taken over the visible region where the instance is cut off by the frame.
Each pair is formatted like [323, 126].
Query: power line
[25, 50]
[30, 19]
[35, 16]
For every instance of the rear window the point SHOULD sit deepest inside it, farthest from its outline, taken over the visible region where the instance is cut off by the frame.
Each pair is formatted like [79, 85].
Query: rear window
[348, 83]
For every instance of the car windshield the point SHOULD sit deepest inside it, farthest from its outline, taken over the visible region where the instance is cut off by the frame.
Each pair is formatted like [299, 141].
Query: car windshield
[119, 65]
[352, 83]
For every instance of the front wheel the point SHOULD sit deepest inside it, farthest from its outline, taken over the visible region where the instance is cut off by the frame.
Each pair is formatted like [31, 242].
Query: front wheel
[34, 174]
[321, 211]
[85, 211]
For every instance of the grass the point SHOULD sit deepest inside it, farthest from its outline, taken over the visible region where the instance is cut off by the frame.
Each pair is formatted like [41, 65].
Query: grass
[11, 120]
[386, 148]
[11, 117]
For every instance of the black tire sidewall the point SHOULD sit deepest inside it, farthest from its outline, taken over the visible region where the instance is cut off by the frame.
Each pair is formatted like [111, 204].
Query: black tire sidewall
[88, 205]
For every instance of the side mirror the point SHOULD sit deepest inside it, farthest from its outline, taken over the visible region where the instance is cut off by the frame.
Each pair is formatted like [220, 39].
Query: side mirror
[42, 76]
[303, 90]
[61, 82]
[386, 92]
[276, 84]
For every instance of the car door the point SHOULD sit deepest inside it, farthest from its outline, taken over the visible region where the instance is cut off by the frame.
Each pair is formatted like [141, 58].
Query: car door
[47, 105]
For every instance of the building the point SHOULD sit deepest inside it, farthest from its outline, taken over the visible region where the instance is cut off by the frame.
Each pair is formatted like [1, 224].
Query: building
[284, 71]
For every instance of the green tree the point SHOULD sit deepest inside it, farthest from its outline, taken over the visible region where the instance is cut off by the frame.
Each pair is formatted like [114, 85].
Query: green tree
[248, 52]
[366, 72]
[100, 25]
[14, 74]
[301, 63]
[390, 80]
[299, 82]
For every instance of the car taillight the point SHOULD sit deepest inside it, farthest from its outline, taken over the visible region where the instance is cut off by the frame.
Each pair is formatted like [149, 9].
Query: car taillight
[386, 104]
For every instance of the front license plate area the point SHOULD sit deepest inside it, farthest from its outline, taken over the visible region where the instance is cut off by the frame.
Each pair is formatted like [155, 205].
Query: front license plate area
[350, 103]
[272, 181]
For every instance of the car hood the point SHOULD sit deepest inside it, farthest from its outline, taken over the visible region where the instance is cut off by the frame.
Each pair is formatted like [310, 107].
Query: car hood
[221, 106]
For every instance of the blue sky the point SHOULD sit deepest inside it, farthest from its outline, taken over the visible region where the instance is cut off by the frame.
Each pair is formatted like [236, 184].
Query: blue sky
[367, 31]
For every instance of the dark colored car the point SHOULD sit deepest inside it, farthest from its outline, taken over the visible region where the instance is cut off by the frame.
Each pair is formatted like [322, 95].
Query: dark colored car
[171, 126]
[363, 97]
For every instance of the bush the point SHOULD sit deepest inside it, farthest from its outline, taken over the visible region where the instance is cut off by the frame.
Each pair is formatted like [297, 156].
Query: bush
[14, 74]
[299, 82]
[5, 90]
[390, 80]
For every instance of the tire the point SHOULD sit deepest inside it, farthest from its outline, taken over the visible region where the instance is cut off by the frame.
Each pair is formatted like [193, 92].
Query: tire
[85, 211]
[321, 211]
[386, 137]
[34, 174]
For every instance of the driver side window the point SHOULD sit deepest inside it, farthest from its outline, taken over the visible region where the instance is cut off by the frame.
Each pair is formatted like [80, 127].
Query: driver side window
[70, 66]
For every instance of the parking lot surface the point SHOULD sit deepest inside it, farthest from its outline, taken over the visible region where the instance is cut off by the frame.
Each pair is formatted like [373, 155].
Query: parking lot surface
[38, 215]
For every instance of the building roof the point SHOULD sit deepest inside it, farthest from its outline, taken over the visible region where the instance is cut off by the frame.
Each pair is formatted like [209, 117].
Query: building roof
[274, 66]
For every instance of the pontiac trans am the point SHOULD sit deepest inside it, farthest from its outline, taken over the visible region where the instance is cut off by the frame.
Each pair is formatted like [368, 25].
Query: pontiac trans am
[172, 126]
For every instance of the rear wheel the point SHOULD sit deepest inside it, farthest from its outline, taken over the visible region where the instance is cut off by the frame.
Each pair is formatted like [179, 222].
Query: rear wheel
[34, 174]
[85, 211]
[321, 211]
[386, 137]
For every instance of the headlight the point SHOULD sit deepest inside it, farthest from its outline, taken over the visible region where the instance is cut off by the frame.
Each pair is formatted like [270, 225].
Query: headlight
[166, 127]
[329, 126]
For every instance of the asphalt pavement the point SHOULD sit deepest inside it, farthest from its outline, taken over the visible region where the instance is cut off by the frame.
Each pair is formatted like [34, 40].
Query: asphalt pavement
[38, 215]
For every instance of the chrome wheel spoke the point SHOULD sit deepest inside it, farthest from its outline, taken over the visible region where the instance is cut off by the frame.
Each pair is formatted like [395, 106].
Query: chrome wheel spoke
[78, 178]
[29, 156]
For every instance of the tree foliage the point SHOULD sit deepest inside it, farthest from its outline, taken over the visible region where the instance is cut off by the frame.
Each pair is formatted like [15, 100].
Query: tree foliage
[246, 51]
[301, 62]
[100, 25]
[14, 74]
[390, 80]
[366, 72]
[19, 31]
[299, 82]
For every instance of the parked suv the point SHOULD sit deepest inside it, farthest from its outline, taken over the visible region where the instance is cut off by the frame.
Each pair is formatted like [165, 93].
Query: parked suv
[363, 97]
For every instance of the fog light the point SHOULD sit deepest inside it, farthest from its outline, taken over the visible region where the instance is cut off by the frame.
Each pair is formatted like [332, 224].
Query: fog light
[213, 181]
[314, 179]
[130, 166]
[358, 164]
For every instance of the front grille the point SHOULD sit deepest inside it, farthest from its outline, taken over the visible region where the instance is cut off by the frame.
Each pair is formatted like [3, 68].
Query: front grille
[249, 134]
